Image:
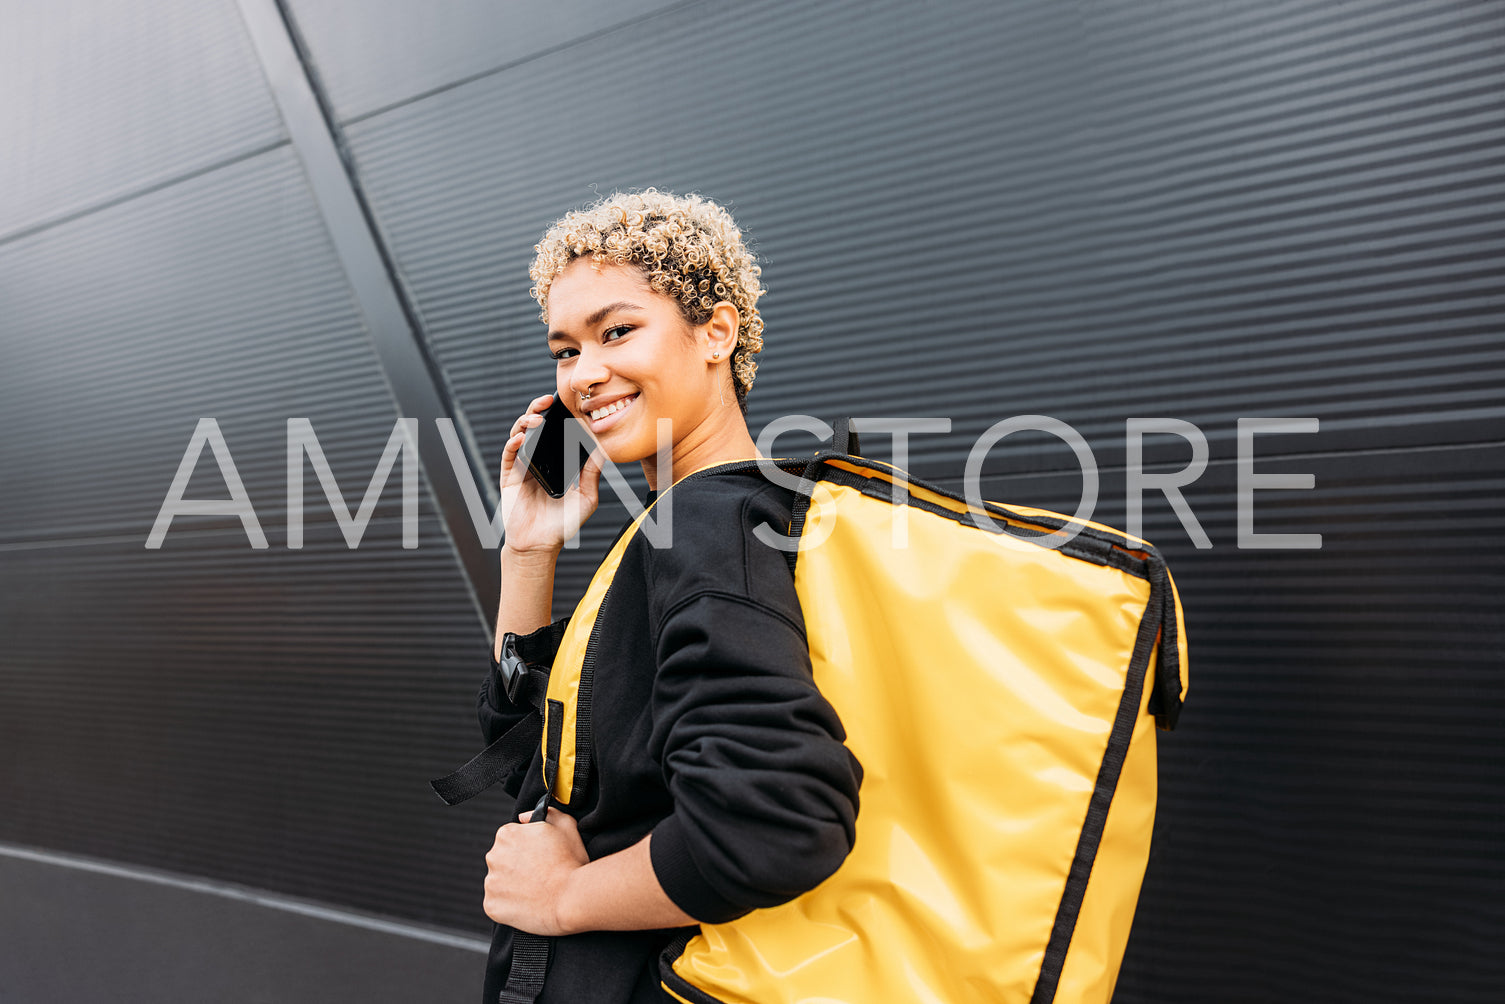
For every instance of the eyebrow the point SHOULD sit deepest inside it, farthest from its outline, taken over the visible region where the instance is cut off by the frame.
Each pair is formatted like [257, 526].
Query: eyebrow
[597, 317]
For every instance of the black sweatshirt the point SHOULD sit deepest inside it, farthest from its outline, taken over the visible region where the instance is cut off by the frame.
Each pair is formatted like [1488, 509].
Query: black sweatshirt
[709, 732]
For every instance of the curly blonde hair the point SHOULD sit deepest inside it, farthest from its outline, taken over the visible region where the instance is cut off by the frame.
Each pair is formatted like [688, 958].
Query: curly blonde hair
[688, 247]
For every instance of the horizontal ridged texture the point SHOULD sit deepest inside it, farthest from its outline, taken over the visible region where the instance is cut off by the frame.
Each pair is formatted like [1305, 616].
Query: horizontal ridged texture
[373, 55]
[269, 718]
[1081, 212]
[266, 717]
[103, 99]
[216, 297]
[1088, 211]
[1098, 212]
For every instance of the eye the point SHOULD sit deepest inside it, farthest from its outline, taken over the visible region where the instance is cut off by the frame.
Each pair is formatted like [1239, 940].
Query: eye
[605, 334]
[605, 337]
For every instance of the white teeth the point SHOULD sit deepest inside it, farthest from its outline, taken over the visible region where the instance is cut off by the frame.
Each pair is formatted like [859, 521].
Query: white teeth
[615, 406]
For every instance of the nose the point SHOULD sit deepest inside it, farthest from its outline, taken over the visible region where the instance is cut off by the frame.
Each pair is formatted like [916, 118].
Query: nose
[587, 373]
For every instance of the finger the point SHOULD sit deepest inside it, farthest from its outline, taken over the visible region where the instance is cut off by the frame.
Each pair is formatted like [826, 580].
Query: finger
[563, 820]
[526, 817]
[510, 467]
[526, 421]
[588, 486]
[535, 407]
[594, 463]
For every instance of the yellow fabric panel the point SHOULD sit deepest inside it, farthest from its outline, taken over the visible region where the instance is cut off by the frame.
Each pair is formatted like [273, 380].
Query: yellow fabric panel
[1102, 931]
[980, 741]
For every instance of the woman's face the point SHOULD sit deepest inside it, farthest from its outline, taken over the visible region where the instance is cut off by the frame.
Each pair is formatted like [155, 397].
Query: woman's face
[628, 347]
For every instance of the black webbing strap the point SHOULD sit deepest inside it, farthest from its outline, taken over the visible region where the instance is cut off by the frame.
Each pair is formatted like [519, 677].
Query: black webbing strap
[530, 963]
[523, 676]
[530, 952]
[844, 437]
[1165, 695]
[844, 442]
[512, 750]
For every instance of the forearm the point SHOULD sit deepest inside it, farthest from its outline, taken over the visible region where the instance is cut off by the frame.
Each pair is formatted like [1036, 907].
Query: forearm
[527, 593]
[619, 892]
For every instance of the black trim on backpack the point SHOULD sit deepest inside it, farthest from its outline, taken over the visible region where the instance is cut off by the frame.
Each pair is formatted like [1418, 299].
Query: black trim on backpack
[1102, 799]
[552, 741]
[1165, 698]
[1100, 547]
[669, 978]
[531, 954]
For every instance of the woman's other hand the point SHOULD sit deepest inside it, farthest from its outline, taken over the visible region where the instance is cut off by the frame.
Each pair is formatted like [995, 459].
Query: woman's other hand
[528, 868]
[534, 520]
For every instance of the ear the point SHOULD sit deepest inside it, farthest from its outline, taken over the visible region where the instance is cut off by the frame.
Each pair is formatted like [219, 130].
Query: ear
[720, 332]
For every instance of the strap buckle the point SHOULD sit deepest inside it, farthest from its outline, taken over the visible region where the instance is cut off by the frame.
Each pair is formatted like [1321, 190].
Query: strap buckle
[513, 669]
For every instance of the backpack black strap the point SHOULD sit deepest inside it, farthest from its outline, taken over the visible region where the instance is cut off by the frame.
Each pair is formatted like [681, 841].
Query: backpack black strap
[1165, 696]
[843, 442]
[844, 437]
[523, 674]
[530, 964]
[513, 750]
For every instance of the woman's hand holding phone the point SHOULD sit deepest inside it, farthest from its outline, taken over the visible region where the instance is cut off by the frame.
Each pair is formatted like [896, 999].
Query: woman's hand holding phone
[534, 520]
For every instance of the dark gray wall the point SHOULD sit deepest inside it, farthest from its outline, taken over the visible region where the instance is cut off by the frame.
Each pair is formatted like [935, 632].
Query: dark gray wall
[1090, 211]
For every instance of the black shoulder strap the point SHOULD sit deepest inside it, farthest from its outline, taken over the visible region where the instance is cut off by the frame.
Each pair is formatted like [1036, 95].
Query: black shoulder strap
[844, 437]
[513, 750]
[530, 964]
[526, 679]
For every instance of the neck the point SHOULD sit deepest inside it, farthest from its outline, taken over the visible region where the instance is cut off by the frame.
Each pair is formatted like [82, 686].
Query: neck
[702, 448]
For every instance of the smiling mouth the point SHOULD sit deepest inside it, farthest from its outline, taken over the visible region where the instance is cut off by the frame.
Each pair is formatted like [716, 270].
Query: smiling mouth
[611, 409]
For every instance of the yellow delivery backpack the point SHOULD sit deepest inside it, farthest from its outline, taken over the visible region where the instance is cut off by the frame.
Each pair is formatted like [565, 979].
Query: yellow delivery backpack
[1002, 696]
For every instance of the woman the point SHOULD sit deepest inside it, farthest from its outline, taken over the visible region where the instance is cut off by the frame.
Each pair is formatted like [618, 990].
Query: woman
[720, 783]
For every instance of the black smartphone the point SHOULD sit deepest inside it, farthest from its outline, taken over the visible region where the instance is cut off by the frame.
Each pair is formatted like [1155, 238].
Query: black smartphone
[544, 444]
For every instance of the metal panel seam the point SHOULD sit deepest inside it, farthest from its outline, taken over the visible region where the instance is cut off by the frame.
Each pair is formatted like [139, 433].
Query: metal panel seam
[412, 373]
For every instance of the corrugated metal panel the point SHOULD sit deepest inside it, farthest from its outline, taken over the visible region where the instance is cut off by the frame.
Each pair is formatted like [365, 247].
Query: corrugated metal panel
[216, 297]
[371, 54]
[1098, 212]
[1014, 209]
[103, 99]
[976, 210]
[265, 717]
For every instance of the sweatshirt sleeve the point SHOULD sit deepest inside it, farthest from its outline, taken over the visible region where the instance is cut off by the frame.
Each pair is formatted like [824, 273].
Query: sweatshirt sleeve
[765, 793]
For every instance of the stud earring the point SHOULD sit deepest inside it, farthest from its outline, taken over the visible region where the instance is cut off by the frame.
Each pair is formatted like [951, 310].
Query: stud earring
[715, 355]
